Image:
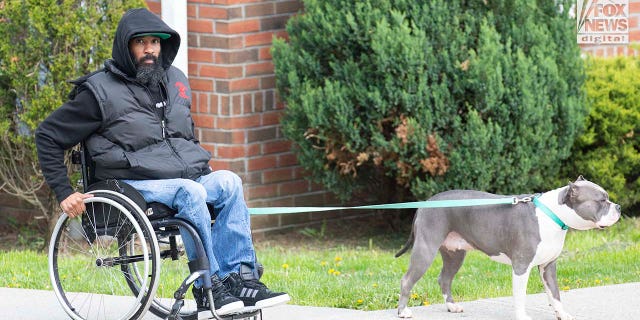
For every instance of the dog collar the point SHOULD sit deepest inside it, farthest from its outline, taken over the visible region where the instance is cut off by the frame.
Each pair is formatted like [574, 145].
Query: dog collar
[549, 213]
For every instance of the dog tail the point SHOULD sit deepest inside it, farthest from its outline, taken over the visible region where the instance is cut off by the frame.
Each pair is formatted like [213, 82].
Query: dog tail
[406, 245]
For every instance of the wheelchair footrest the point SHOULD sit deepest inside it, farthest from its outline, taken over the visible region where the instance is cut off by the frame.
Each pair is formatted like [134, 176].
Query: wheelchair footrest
[181, 292]
[246, 313]
[175, 310]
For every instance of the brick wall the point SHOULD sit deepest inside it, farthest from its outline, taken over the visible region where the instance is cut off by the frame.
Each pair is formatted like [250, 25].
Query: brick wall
[235, 107]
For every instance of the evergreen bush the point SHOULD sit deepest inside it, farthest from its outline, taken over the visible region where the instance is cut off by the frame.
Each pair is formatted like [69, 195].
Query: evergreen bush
[609, 150]
[412, 98]
[45, 44]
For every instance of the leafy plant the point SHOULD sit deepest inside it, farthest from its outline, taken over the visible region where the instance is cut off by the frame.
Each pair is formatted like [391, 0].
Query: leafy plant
[45, 44]
[313, 233]
[609, 150]
[403, 99]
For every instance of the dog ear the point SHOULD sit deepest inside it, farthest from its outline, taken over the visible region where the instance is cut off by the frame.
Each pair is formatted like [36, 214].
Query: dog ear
[581, 178]
[562, 196]
[567, 193]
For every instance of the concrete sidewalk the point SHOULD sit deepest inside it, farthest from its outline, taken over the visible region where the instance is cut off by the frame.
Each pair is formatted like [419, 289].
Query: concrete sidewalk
[615, 302]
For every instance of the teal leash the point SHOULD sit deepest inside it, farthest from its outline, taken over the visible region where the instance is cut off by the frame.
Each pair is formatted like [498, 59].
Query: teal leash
[404, 205]
[418, 205]
[549, 213]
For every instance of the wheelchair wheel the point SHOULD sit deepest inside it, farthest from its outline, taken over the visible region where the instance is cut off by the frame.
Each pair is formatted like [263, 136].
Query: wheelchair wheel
[89, 264]
[174, 265]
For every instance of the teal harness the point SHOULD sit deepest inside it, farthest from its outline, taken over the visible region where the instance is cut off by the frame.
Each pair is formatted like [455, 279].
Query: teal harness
[549, 213]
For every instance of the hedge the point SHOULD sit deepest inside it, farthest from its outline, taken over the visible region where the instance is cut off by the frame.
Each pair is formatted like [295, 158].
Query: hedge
[609, 151]
[404, 99]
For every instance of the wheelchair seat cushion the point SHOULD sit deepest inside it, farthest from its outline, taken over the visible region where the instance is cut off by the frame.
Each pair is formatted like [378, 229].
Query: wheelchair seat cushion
[123, 188]
[153, 210]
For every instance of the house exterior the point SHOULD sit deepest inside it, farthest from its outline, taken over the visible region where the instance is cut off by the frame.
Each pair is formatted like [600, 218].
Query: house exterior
[235, 106]
[237, 111]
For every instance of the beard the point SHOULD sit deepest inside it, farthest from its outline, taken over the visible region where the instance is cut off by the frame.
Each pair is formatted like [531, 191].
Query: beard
[149, 73]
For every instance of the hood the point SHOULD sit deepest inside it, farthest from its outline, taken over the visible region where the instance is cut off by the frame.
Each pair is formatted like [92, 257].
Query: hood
[136, 21]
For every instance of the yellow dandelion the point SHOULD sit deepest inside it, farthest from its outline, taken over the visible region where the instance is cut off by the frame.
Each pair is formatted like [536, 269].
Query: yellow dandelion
[336, 273]
[285, 266]
[375, 285]
[359, 301]
[323, 263]
[331, 271]
[425, 303]
[598, 281]
[337, 259]
[414, 296]
[566, 288]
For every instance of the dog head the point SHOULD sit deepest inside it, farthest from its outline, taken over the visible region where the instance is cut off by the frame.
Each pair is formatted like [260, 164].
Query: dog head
[591, 205]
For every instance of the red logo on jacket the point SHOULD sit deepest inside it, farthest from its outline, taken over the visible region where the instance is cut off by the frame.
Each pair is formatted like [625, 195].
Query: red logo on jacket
[182, 89]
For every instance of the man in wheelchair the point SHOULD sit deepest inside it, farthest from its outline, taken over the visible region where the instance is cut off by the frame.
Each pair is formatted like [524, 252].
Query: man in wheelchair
[134, 117]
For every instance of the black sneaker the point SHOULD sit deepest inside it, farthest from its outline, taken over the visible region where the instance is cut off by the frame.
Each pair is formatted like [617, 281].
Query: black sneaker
[253, 292]
[223, 301]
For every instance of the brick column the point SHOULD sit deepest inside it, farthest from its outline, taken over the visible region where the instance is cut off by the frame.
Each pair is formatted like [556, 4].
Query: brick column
[235, 107]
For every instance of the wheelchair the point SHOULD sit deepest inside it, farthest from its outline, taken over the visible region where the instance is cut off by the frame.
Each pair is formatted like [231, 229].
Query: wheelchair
[106, 264]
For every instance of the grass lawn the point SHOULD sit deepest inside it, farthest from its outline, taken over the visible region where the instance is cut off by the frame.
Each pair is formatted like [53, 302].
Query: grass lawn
[351, 266]
[365, 275]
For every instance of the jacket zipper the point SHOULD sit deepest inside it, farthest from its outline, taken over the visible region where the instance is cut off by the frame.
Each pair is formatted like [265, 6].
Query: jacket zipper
[155, 114]
[163, 126]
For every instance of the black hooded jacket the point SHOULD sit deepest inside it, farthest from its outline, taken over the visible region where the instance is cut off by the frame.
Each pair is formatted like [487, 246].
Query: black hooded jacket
[138, 21]
[117, 117]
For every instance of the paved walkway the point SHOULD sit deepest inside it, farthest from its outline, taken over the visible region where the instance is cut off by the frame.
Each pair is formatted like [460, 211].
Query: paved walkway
[616, 302]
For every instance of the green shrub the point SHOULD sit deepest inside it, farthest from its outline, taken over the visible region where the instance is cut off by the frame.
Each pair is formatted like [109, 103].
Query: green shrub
[44, 44]
[608, 151]
[412, 97]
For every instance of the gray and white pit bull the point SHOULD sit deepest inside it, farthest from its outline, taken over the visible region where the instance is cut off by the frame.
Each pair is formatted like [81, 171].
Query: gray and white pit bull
[521, 235]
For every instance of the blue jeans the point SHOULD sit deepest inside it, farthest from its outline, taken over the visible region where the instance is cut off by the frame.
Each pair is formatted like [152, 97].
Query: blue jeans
[228, 241]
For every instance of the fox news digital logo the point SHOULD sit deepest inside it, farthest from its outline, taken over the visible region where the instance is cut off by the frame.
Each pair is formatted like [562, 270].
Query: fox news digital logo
[602, 21]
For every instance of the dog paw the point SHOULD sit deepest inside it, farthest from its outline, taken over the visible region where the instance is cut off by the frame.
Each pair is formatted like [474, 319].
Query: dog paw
[454, 307]
[405, 313]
